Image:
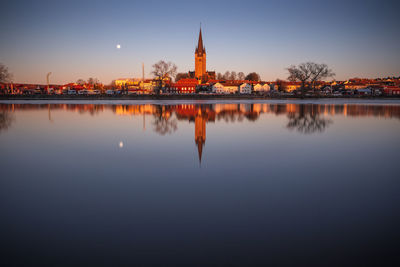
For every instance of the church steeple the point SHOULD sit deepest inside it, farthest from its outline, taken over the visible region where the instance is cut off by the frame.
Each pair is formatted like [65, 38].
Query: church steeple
[200, 58]
[200, 49]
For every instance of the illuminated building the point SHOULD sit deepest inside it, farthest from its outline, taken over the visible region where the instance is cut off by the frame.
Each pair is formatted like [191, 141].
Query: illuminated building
[200, 67]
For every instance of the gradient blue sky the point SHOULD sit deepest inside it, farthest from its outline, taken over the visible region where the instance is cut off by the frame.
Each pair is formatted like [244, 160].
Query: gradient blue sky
[77, 39]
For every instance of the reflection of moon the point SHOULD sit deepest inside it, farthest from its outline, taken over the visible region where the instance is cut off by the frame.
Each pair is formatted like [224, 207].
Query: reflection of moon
[121, 144]
[118, 46]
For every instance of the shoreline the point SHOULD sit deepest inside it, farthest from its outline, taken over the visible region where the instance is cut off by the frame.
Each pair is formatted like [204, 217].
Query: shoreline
[169, 100]
[187, 97]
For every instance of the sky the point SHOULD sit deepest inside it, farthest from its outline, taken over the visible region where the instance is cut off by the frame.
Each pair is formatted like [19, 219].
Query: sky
[77, 39]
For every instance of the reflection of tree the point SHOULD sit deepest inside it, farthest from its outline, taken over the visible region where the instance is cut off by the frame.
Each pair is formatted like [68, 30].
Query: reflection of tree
[252, 116]
[229, 115]
[6, 120]
[307, 121]
[163, 123]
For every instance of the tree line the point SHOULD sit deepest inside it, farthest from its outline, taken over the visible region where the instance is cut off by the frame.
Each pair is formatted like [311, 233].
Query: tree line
[307, 73]
[228, 75]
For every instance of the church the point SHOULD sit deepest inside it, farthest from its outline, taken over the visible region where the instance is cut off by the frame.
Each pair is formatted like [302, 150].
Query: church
[200, 57]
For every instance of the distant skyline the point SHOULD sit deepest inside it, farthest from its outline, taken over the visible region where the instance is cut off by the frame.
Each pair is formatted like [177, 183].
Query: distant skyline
[78, 39]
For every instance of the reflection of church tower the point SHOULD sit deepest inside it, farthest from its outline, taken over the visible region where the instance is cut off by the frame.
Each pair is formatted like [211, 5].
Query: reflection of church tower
[200, 132]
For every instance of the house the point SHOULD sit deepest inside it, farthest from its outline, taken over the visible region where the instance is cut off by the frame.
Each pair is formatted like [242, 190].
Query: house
[391, 90]
[258, 88]
[225, 88]
[261, 87]
[245, 88]
[122, 82]
[364, 91]
[291, 86]
[185, 86]
[231, 87]
[355, 84]
[218, 88]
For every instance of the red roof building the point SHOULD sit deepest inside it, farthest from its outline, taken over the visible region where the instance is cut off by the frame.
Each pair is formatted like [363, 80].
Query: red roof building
[185, 86]
[391, 90]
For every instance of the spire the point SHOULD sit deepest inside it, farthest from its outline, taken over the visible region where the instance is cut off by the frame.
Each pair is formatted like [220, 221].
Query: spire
[200, 48]
[200, 145]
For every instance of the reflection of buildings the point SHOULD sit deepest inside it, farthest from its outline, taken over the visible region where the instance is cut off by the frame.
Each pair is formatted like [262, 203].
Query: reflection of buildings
[306, 118]
[227, 112]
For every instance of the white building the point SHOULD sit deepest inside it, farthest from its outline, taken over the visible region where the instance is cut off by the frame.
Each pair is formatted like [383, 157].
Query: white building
[245, 88]
[261, 87]
[228, 88]
[218, 88]
[231, 88]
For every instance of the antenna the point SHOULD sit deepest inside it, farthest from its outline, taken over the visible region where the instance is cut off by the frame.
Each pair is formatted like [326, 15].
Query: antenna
[47, 78]
[143, 77]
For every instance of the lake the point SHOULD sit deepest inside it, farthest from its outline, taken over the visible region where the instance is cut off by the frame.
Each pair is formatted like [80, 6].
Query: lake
[235, 183]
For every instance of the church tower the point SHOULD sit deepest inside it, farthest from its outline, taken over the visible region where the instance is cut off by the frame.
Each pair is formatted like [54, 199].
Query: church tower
[200, 58]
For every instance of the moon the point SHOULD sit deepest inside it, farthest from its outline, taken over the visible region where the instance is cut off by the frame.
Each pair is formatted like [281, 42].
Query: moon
[118, 46]
[121, 144]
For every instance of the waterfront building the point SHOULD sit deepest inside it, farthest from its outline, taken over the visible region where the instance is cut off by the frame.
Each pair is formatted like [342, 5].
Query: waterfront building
[122, 82]
[392, 90]
[245, 88]
[231, 87]
[185, 86]
[217, 88]
[291, 86]
[355, 86]
[261, 87]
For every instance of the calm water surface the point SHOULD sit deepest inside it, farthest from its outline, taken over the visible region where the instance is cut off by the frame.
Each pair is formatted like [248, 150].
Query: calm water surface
[200, 183]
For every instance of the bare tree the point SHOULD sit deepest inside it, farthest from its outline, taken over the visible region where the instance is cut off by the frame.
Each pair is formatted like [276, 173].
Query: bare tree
[93, 81]
[233, 75]
[253, 76]
[226, 75]
[241, 76]
[320, 72]
[5, 76]
[80, 81]
[162, 70]
[308, 73]
[181, 75]
[280, 85]
[219, 76]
